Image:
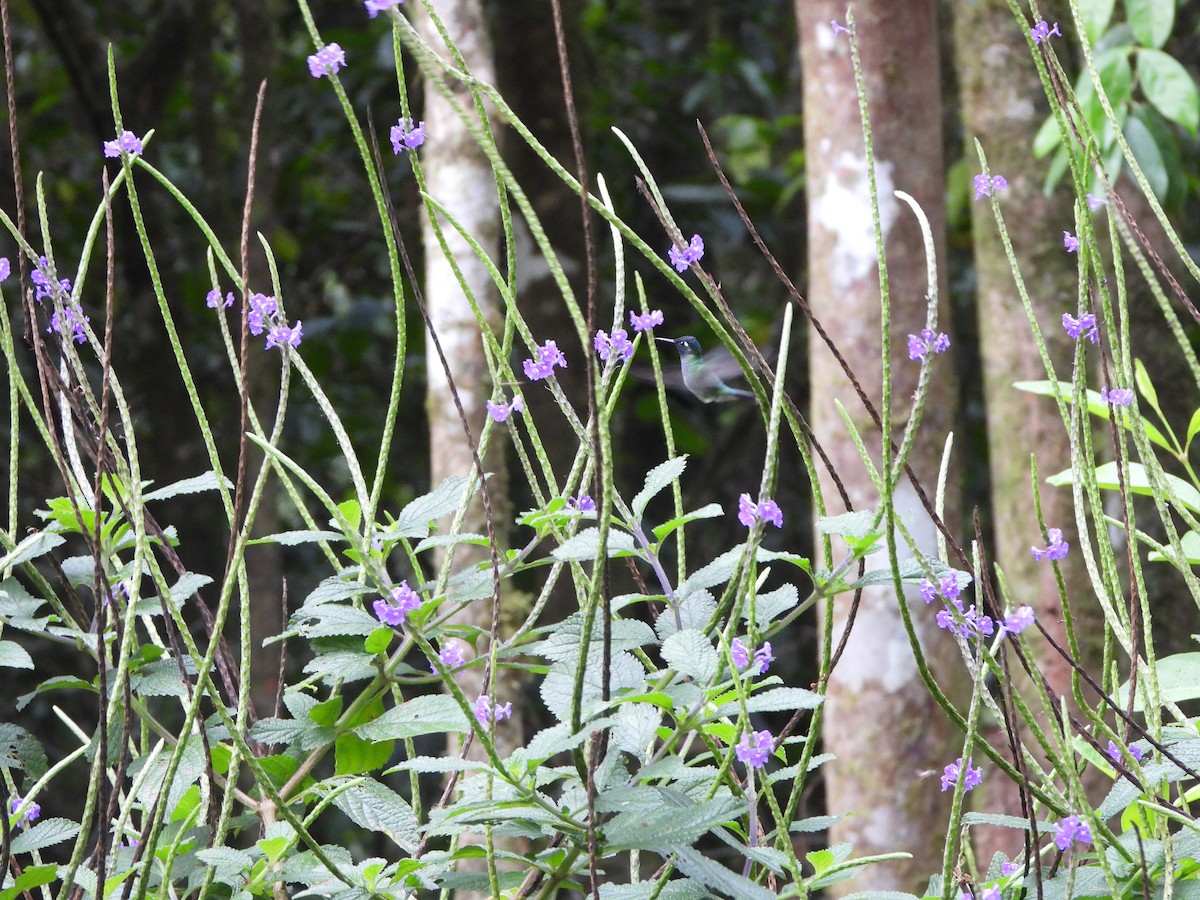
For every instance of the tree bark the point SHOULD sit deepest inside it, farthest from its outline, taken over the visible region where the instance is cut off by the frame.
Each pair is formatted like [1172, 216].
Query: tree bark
[880, 720]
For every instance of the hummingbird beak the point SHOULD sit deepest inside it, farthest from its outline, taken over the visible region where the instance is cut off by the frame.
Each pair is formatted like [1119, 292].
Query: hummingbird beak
[665, 340]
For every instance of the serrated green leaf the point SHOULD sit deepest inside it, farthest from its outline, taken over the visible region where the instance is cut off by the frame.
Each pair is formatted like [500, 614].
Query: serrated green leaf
[45, 833]
[346, 666]
[636, 729]
[627, 674]
[669, 825]
[768, 606]
[691, 653]
[1136, 479]
[326, 712]
[332, 620]
[273, 730]
[378, 808]
[161, 678]
[439, 765]
[426, 714]
[206, 482]
[773, 700]
[695, 611]
[712, 873]
[1151, 20]
[14, 656]
[415, 518]
[32, 877]
[585, 545]
[355, 756]
[676, 889]
[710, 511]
[296, 538]
[191, 767]
[719, 571]
[32, 547]
[564, 641]
[229, 863]
[857, 529]
[1002, 821]
[1144, 385]
[333, 589]
[658, 478]
[1169, 87]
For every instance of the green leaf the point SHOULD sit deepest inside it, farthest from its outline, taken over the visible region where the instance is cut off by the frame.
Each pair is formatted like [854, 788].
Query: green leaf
[14, 656]
[695, 611]
[274, 730]
[377, 808]
[1180, 492]
[1178, 680]
[716, 572]
[229, 863]
[564, 641]
[206, 482]
[636, 729]
[326, 713]
[1169, 87]
[426, 714]
[711, 511]
[332, 620]
[1151, 20]
[857, 529]
[1002, 821]
[772, 700]
[772, 604]
[1096, 406]
[45, 833]
[31, 877]
[1048, 138]
[716, 876]
[355, 756]
[585, 545]
[658, 478]
[676, 821]
[691, 653]
[558, 687]
[1193, 429]
[415, 518]
[1189, 542]
[162, 678]
[333, 589]
[676, 889]
[379, 640]
[1096, 14]
[38, 544]
[438, 765]
[295, 538]
[1148, 155]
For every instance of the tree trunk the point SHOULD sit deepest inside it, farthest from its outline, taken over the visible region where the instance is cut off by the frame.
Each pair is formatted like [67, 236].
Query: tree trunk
[880, 720]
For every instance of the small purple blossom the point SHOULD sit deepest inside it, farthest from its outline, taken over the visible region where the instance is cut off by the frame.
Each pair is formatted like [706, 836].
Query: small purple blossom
[1114, 752]
[327, 61]
[69, 319]
[1056, 549]
[5, 268]
[262, 308]
[947, 587]
[969, 622]
[548, 356]
[763, 511]
[617, 345]
[403, 601]
[645, 321]
[501, 411]
[279, 335]
[1070, 242]
[214, 301]
[1085, 325]
[986, 187]
[583, 503]
[42, 287]
[990, 893]
[754, 748]
[451, 657]
[763, 657]
[32, 811]
[1042, 31]
[407, 136]
[1071, 830]
[375, 7]
[1094, 202]
[1117, 396]
[739, 653]
[919, 346]
[485, 712]
[1018, 620]
[126, 141]
[682, 257]
[1007, 868]
[837, 27]
[958, 769]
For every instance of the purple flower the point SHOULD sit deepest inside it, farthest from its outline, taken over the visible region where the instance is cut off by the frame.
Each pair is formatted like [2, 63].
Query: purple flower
[126, 141]
[682, 257]
[986, 187]
[969, 623]
[1117, 396]
[451, 657]
[1094, 202]
[403, 601]
[925, 343]
[261, 308]
[991, 893]
[548, 356]
[1056, 549]
[1018, 621]
[214, 299]
[763, 511]
[754, 748]
[947, 587]
[1114, 752]
[837, 27]
[326, 61]
[69, 319]
[618, 345]
[1070, 831]
[583, 503]
[1042, 31]
[282, 334]
[5, 268]
[32, 811]
[406, 136]
[645, 321]
[739, 653]
[375, 7]
[485, 712]
[1085, 325]
[1070, 242]
[763, 657]
[501, 411]
[959, 769]
[1007, 868]
[42, 287]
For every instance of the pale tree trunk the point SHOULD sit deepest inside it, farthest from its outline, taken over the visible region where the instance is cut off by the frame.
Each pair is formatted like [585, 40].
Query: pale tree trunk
[459, 177]
[1003, 106]
[881, 723]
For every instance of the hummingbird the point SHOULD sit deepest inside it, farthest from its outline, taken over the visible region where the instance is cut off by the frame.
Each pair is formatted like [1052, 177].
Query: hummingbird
[699, 374]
